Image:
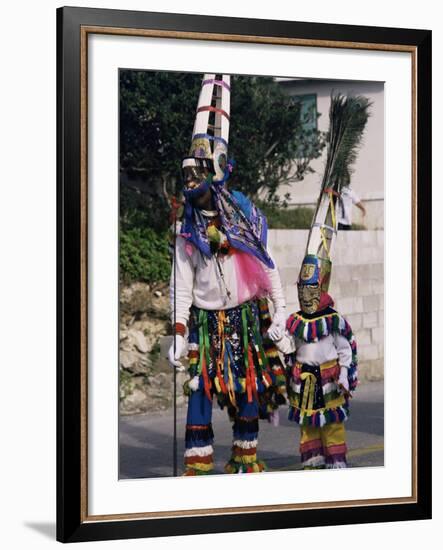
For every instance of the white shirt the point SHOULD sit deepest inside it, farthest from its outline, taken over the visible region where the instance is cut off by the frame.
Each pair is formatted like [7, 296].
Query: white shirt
[198, 282]
[345, 202]
[332, 346]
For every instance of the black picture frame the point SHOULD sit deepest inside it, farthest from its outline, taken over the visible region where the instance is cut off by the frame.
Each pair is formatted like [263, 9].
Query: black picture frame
[72, 523]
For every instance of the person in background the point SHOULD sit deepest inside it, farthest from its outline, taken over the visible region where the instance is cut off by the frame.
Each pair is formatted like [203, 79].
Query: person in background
[347, 199]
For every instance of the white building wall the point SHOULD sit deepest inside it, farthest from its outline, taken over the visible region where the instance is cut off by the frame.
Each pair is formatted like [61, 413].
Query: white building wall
[368, 176]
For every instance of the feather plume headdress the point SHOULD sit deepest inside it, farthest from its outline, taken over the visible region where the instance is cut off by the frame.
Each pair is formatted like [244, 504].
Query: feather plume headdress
[347, 120]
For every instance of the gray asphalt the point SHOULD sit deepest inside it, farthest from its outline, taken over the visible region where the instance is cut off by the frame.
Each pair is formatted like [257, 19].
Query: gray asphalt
[146, 441]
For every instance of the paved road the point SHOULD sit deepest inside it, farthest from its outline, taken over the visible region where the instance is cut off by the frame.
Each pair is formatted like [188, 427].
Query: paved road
[146, 440]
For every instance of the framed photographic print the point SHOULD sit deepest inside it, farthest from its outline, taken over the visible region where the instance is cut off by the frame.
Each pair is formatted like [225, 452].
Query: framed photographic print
[244, 274]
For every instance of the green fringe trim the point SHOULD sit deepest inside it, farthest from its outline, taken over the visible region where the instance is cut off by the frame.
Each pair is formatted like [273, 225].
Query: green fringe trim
[194, 472]
[280, 380]
[331, 396]
[233, 467]
[311, 330]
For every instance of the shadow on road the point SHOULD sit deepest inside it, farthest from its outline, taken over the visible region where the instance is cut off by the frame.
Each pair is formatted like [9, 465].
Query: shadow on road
[146, 441]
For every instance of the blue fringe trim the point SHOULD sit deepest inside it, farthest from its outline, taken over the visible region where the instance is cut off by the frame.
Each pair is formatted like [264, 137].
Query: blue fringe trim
[319, 418]
[199, 438]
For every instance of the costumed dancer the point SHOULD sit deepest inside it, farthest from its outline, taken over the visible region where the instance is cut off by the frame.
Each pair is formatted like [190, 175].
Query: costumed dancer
[222, 276]
[319, 346]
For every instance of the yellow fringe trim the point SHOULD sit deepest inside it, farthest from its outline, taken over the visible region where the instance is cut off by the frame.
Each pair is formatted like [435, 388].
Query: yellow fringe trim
[201, 466]
[297, 315]
[247, 459]
[328, 364]
[332, 404]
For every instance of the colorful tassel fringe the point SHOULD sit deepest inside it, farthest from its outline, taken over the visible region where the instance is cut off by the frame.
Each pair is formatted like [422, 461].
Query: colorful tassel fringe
[233, 467]
[311, 330]
[319, 418]
[199, 452]
[198, 436]
[193, 472]
[257, 370]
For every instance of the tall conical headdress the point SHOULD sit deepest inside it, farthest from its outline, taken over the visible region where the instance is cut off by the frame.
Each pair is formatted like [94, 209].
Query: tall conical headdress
[347, 120]
[211, 128]
[243, 223]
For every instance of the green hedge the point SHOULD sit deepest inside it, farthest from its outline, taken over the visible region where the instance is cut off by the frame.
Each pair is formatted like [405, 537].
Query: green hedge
[144, 252]
[287, 218]
[144, 255]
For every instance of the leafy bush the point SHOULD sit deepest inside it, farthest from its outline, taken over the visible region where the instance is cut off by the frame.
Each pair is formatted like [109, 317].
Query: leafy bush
[144, 255]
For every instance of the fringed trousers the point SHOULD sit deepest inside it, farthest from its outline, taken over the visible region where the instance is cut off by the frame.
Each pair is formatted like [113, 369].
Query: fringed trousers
[199, 453]
[323, 447]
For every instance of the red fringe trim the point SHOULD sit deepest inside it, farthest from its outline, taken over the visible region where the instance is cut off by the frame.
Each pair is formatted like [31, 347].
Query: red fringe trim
[239, 451]
[199, 459]
[336, 450]
[310, 445]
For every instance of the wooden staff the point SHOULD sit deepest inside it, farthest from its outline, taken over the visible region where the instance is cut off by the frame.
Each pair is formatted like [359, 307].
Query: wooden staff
[174, 333]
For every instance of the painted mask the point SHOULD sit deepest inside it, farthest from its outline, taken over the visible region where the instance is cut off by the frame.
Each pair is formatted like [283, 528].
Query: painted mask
[309, 297]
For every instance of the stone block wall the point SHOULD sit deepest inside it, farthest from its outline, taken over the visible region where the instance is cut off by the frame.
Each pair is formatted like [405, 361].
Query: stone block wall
[357, 286]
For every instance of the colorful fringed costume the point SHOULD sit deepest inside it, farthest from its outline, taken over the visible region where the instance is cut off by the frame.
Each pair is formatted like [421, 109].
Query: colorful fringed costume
[222, 277]
[320, 349]
[232, 360]
[321, 345]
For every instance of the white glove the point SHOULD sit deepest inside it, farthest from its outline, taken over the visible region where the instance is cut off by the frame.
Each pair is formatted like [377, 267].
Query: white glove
[285, 344]
[343, 380]
[277, 328]
[174, 358]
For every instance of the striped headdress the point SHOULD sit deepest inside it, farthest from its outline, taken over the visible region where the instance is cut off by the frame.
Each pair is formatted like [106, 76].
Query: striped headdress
[211, 128]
